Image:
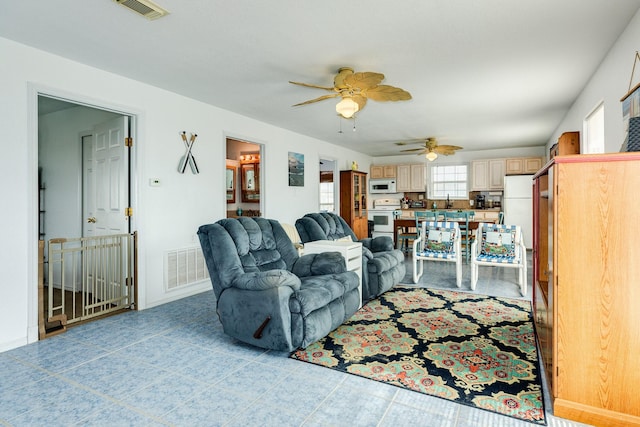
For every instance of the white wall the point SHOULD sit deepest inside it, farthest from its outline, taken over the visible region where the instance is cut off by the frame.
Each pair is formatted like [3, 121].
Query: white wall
[166, 217]
[609, 83]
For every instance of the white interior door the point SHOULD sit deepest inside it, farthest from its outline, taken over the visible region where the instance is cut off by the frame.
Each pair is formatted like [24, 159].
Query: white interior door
[88, 187]
[109, 176]
[105, 200]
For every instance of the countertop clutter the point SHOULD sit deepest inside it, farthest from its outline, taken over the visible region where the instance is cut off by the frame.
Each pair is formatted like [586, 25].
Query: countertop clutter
[480, 214]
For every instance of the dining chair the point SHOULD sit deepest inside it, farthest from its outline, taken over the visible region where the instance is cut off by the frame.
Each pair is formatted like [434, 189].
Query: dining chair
[437, 241]
[462, 217]
[499, 245]
[406, 235]
[421, 216]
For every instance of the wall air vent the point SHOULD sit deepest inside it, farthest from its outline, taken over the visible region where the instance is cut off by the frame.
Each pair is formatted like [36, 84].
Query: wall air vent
[184, 267]
[146, 8]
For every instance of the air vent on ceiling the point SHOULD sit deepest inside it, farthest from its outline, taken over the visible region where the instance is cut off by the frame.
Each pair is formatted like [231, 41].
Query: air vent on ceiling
[145, 8]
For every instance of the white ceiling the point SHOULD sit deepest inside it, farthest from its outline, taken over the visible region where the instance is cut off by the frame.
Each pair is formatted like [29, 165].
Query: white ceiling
[483, 74]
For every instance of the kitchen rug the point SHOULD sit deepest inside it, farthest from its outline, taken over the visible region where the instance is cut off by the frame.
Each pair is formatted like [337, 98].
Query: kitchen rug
[472, 349]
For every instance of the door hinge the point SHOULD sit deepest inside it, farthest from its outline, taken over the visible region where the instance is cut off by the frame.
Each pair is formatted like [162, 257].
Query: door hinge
[128, 141]
[128, 211]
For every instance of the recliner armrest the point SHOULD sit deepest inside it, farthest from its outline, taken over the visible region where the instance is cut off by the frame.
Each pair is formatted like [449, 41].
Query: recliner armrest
[319, 264]
[378, 244]
[262, 280]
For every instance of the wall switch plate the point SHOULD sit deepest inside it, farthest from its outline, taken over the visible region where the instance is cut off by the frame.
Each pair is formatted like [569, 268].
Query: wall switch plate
[154, 182]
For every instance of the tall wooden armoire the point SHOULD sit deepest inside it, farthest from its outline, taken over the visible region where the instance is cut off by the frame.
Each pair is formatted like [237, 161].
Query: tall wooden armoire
[587, 285]
[353, 201]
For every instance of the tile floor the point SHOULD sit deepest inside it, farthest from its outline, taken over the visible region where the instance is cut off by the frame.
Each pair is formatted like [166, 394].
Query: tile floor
[172, 365]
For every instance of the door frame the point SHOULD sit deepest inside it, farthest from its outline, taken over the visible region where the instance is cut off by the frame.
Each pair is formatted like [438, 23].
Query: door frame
[336, 182]
[136, 131]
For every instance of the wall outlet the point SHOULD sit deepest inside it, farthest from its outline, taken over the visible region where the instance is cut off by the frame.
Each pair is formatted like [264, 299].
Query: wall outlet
[154, 182]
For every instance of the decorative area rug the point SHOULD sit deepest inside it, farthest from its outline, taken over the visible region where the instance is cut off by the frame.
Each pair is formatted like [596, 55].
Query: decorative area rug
[471, 349]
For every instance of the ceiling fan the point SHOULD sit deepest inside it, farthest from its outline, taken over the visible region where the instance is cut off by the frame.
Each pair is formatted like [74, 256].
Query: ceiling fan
[355, 89]
[431, 148]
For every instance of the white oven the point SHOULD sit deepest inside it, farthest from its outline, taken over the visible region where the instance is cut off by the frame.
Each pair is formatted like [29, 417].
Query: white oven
[382, 216]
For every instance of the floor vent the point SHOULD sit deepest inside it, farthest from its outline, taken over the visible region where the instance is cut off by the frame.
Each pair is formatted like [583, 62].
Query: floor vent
[184, 267]
[146, 8]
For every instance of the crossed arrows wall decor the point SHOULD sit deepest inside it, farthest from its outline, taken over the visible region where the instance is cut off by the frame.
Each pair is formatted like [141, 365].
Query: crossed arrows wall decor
[188, 157]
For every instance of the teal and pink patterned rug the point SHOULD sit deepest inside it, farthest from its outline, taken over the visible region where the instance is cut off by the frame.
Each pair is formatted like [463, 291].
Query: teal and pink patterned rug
[473, 349]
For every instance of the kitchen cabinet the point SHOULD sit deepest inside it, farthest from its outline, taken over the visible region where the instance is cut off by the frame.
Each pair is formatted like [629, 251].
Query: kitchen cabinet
[522, 165]
[411, 178]
[586, 295]
[353, 201]
[487, 175]
[382, 171]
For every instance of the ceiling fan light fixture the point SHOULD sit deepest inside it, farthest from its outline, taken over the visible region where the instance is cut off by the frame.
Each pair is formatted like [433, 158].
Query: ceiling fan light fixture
[431, 156]
[347, 107]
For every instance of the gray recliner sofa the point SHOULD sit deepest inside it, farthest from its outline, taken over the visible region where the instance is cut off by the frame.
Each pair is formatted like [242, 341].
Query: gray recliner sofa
[382, 265]
[266, 294]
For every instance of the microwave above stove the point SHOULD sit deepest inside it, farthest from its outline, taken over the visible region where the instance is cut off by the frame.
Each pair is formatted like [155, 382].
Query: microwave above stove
[380, 186]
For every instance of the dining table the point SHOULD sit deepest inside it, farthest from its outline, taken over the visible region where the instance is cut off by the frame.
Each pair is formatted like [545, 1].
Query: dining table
[404, 224]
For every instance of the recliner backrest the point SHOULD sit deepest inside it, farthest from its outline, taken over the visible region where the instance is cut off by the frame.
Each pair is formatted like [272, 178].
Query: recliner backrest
[237, 246]
[323, 226]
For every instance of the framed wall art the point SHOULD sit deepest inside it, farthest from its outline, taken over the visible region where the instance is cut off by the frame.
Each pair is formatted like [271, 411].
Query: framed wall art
[296, 169]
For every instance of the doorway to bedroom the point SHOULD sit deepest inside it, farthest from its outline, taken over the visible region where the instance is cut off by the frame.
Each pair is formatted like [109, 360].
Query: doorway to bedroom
[86, 244]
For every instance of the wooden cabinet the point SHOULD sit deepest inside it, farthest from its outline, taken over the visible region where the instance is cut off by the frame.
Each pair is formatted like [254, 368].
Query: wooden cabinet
[382, 171]
[586, 293]
[487, 175]
[568, 143]
[353, 201]
[522, 165]
[411, 178]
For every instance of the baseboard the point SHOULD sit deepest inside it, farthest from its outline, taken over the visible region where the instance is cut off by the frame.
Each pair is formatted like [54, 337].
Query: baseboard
[10, 345]
[592, 415]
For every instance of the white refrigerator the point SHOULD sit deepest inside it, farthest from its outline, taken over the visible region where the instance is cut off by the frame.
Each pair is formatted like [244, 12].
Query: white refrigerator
[517, 204]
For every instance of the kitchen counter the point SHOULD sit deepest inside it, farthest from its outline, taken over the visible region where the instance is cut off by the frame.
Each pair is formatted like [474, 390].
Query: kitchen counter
[491, 215]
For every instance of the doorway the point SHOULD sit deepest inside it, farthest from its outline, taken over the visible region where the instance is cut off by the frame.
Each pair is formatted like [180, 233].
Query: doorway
[328, 184]
[244, 179]
[84, 168]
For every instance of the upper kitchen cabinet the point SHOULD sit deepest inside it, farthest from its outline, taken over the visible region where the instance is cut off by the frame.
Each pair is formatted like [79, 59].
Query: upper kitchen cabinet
[522, 165]
[382, 171]
[411, 178]
[487, 175]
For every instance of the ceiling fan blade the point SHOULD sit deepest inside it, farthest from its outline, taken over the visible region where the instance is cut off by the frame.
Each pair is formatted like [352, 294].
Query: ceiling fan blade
[322, 98]
[387, 93]
[414, 149]
[310, 85]
[447, 148]
[417, 141]
[365, 80]
[360, 100]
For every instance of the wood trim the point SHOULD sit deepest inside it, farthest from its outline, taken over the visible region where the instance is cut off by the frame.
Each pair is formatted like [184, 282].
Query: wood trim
[593, 416]
[590, 158]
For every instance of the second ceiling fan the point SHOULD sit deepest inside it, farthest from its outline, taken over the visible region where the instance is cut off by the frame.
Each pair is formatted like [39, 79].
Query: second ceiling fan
[431, 148]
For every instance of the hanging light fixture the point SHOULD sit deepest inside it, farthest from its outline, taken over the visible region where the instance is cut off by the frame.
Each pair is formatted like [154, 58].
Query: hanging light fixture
[431, 156]
[347, 107]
